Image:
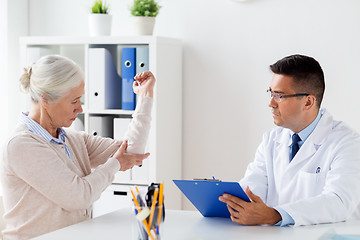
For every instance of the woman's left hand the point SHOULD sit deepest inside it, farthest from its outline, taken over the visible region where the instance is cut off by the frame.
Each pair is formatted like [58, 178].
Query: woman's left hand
[128, 160]
[144, 84]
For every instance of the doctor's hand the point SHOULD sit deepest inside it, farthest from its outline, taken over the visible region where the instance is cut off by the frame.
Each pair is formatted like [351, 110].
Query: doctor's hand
[250, 213]
[144, 84]
[128, 160]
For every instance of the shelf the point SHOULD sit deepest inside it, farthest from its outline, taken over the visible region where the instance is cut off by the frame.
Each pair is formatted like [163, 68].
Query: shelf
[110, 112]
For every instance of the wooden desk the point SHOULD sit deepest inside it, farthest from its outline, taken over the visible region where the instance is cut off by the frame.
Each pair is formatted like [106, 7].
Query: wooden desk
[190, 225]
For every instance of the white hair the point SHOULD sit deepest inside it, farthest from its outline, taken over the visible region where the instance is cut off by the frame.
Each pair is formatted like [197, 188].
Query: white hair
[52, 76]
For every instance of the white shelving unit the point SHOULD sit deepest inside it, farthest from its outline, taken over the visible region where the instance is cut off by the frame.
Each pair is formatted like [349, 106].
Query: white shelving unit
[165, 139]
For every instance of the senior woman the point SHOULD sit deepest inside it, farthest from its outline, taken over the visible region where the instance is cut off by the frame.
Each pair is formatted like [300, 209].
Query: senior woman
[46, 171]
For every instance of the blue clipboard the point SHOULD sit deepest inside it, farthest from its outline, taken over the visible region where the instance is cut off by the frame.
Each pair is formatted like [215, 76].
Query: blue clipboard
[204, 195]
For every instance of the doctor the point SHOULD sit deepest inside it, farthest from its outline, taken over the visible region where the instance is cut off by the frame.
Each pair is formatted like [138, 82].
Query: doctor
[306, 170]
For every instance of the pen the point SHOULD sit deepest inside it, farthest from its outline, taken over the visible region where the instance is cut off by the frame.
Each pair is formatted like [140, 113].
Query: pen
[213, 178]
[136, 211]
[139, 198]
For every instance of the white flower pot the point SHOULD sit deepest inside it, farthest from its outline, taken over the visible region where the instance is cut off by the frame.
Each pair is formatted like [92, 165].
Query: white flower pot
[143, 25]
[99, 24]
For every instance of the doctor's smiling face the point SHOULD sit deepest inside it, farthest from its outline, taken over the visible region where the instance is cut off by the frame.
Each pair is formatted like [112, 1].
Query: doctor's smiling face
[288, 112]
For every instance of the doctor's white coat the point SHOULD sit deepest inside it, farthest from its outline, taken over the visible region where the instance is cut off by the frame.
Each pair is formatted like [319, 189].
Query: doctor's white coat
[321, 184]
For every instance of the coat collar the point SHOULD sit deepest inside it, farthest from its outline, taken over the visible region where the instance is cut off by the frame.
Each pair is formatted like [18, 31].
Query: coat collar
[318, 136]
[312, 143]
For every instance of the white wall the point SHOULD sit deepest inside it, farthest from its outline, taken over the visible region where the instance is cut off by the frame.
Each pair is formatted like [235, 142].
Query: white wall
[16, 25]
[228, 47]
[13, 23]
[3, 75]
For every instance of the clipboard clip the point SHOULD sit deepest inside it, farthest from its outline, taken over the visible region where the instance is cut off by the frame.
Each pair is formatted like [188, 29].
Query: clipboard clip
[207, 179]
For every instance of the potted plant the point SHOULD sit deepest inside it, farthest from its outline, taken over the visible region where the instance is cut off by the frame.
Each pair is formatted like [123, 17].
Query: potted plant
[99, 19]
[144, 13]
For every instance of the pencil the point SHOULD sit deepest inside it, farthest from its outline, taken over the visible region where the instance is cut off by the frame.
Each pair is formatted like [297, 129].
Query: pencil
[161, 199]
[153, 206]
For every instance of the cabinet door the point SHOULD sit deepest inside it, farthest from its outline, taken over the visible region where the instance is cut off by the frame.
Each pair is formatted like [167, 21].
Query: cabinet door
[115, 197]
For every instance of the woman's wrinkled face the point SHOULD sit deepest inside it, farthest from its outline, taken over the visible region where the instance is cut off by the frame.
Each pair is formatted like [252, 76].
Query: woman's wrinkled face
[64, 112]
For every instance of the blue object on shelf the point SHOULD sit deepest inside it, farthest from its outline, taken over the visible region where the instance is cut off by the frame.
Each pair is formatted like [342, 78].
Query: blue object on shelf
[142, 59]
[128, 69]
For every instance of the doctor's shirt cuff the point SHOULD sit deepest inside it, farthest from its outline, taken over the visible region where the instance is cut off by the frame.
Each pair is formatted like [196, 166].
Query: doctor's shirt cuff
[286, 218]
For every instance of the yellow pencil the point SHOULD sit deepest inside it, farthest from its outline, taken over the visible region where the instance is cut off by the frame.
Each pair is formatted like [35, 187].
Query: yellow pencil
[161, 199]
[153, 206]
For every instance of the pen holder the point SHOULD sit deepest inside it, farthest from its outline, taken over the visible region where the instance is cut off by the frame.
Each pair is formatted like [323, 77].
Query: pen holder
[149, 223]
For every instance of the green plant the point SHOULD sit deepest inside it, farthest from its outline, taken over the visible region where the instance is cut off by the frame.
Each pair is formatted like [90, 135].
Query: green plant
[145, 8]
[99, 7]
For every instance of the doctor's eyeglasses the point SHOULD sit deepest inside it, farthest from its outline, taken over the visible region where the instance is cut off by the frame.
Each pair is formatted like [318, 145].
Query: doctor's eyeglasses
[278, 96]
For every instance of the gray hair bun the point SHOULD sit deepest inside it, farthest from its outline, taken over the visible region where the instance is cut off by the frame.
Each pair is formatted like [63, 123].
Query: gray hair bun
[25, 79]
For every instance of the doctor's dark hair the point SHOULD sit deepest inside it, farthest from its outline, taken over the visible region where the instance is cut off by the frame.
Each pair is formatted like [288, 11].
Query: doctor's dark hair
[51, 77]
[306, 72]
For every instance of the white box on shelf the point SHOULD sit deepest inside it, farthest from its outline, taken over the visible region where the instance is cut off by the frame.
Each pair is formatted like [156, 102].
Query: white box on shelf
[104, 81]
[120, 127]
[101, 126]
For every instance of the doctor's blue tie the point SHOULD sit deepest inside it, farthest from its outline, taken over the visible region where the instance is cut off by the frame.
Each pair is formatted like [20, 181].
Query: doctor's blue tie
[294, 146]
